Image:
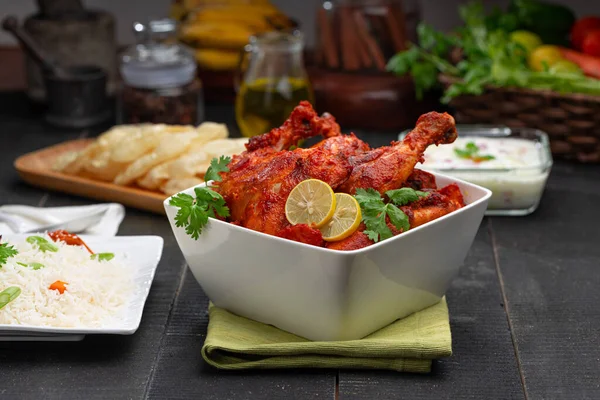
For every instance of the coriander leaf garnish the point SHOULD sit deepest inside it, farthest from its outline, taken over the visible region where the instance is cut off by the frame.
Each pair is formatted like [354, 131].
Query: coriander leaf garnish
[102, 256]
[368, 196]
[403, 196]
[375, 210]
[42, 244]
[398, 218]
[374, 219]
[471, 152]
[193, 212]
[216, 166]
[6, 251]
[34, 265]
[8, 295]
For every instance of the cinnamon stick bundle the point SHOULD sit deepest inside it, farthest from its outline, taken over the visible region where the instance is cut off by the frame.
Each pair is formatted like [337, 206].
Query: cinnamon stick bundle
[356, 38]
[363, 32]
[350, 57]
[328, 45]
[394, 18]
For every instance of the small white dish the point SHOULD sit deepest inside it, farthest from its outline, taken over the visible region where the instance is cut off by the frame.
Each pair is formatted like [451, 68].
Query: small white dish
[517, 177]
[143, 254]
[324, 294]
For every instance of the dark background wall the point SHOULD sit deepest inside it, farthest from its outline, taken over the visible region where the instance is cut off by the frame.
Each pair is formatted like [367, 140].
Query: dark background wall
[442, 14]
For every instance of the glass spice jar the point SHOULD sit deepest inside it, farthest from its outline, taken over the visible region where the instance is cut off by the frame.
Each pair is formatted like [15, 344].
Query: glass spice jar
[159, 78]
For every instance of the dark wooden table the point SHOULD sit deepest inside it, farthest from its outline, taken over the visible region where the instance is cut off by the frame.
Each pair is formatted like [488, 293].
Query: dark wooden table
[525, 310]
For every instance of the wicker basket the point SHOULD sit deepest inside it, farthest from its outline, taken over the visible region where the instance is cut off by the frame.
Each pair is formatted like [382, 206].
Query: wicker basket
[572, 121]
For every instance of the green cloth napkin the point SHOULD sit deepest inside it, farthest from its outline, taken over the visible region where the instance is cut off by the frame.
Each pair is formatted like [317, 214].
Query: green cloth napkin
[408, 345]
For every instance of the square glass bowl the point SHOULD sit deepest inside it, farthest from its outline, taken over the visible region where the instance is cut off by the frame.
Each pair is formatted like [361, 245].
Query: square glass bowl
[516, 176]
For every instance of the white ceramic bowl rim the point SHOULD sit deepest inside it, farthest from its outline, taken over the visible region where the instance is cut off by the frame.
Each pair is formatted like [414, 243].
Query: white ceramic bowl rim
[461, 182]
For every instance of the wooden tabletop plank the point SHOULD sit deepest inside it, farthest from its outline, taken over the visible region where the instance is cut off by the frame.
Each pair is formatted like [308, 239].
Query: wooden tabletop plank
[183, 374]
[549, 264]
[483, 364]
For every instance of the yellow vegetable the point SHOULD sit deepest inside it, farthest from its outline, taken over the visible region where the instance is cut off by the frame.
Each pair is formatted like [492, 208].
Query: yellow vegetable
[218, 59]
[528, 40]
[566, 67]
[544, 55]
[219, 35]
[177, 11]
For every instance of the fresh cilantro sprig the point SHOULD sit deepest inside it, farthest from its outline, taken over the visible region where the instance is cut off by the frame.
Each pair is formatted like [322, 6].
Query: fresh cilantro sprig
[403, 196]
[217, 166]
[6, 251]
[375, 210]
[471, 152]
[193, 211]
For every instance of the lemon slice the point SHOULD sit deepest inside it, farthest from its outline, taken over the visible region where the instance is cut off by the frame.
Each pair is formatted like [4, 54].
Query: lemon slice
[311, 202]
[346, 218]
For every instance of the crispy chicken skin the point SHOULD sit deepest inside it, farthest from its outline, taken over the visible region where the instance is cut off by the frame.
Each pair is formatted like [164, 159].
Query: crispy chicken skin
[389, 167]
[303, 123]
[302, 233]
[437, 204]
[257, 185]
[259, 180]
[344, 146]
[420, 180]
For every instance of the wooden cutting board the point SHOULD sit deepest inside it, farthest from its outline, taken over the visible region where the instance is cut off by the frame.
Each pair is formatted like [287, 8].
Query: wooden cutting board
[36, 169]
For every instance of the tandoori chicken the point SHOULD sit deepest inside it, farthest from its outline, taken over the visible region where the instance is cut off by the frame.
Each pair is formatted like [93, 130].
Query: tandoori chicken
[260, 179]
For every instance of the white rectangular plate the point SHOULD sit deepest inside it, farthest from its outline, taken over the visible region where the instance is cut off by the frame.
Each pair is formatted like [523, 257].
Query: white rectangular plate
[143, 254]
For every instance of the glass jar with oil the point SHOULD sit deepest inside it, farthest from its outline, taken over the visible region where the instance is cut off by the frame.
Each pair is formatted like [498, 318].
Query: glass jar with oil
[274, 82]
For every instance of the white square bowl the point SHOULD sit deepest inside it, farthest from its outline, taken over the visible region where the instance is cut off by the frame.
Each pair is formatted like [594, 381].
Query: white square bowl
[323, 294]
[143, 254]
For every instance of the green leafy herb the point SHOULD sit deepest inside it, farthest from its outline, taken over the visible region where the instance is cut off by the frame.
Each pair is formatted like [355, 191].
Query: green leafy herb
[375, 210]
[488, 56]
[42, 244]
[216, 166]
[6, 251]
[102, 256]
[194, 212]
[34, 265]
[471, 152]
[403, 196]
[8, 295]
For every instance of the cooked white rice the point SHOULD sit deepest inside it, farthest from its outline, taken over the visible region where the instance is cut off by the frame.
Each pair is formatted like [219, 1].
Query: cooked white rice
[96, 291]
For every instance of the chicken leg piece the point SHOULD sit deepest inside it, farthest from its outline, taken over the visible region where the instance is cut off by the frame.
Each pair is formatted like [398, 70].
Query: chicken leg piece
[344, 146]
[303, 123]
[257, 185]
[389, 167]
[259, 180]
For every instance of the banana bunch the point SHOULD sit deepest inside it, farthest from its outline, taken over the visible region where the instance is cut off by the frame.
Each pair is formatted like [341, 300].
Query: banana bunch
[218, 30]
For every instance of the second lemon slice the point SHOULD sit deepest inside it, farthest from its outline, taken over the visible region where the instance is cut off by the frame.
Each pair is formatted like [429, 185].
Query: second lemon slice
[311, 202]
[345, 220]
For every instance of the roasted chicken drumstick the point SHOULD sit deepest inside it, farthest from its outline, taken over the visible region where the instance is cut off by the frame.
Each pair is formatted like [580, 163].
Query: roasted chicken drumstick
[260, 179]
[388, 168]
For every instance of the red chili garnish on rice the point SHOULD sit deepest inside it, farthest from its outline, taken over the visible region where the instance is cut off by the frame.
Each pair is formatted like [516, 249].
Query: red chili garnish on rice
[70, 239]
